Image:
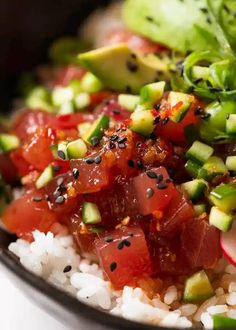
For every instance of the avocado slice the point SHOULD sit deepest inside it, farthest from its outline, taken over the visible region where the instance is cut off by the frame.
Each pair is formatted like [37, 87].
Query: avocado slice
[174, 23]
[121, 69]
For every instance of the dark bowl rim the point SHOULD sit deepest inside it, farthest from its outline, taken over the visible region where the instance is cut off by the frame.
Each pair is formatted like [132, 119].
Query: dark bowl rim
[8, 260]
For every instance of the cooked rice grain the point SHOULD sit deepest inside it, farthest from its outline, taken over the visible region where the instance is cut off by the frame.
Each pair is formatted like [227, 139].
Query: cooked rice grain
[56, 260]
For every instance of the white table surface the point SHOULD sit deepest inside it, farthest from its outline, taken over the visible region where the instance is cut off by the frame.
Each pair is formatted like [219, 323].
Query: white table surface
[18, 313]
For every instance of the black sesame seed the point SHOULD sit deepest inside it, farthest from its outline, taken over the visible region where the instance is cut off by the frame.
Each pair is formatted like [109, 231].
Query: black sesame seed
[190, 89]
[149, 18]
[128, 89]
[61, 154]
[122, 145]
[157, 106]
[205, 116]
[153, 136]
[108, 239]
[126, 242]
[120, 245]
[130, 234]
[114, 137]
[156, 120]
[113, 266]
[98, 160]
[204, 10]
[227, 116]
[56, 168]
[116, 111]
[161, 185]
[89, 160]
[159, 178]
[198, 111]
[197, 81]
[134, 56]
[131, 163]
[37, 199]
[111, 145]
[95, 141]
[139, 165]
[62, 189]
[151, 174]
[122, 139]
[60, 200]
[67, 269]
[149, 192]
[132, 67]
[165, 120]
[75, 173]
[208, 20]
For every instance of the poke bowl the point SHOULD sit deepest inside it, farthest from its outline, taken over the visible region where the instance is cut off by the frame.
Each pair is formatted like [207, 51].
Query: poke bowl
[118, 161]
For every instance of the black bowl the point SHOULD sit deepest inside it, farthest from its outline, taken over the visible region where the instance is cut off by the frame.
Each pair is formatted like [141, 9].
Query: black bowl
[27, 28]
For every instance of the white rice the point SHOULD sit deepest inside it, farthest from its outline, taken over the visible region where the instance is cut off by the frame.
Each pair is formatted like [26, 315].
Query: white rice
[48, 256]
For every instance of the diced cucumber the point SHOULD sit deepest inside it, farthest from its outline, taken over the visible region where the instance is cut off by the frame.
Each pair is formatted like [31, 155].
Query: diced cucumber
[231, 124]
[198, 288]
[66, 108]
[142, 122]
[8, 142]
[62, 150]
[128, 101]
[199, 209]
[179, 103]
[97, 129]
[83, 129]
[200, 72]
[61, 95]
[231, 163]
[192, 168]
[221, 220]
[90, 83]
[224, 197]
[213, 166]
[90, 213]
[199, 152]
[39, 98]
[223, 323]
[152, 93]
[194, 188]
[45, 177]
[76, 149]
[82, 100]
